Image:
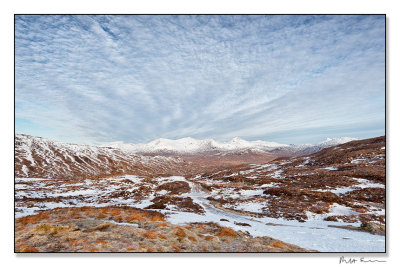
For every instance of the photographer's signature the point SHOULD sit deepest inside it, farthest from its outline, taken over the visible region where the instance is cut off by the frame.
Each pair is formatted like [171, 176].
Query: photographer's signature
[350, 260]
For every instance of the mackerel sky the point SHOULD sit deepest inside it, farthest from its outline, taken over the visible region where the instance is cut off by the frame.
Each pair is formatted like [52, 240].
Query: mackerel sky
[288, 79]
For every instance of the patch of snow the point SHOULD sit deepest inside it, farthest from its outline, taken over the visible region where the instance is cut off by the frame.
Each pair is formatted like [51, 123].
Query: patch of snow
[338, 190]
[359, 160]
[24, 169]
[73, 193]
[22, 179]
[331, 168]
[277, 174]
[246, 172]
[145, 203]
[337, 209]
[268, 185]
[248, 206]
[122, 223]
[251, 193]
[163, 180]
[364, 183]
[162, 192]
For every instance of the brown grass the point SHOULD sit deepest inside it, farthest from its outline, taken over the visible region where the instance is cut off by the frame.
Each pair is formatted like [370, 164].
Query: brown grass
[193, 239]
[33, 219]
[115, 212]
[74, 242]
[157, 218]
[26, 248]
[151, 234]
[137, 217]
[162, 224]
[101, 216]
[78, 242]
[175, 248]
[277, 244]
[21, 228]
[119, 219]
[180, 232]
[102, 226]
[51, 229]
[227, 232]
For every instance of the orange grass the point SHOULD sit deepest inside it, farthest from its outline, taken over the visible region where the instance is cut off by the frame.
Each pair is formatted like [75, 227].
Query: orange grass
[151, 234]
[227, 232]
[277, 244]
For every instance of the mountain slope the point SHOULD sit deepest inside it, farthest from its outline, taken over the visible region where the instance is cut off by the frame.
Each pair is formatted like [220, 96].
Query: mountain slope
[39, 157]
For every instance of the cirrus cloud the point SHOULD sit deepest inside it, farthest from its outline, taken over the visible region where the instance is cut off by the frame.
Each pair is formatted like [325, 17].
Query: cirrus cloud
[292, 79]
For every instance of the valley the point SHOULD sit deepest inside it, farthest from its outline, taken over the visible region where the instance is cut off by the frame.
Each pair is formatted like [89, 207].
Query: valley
[302, 202]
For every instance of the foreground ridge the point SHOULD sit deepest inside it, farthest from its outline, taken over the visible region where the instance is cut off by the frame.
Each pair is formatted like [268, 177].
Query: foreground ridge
[126, 229]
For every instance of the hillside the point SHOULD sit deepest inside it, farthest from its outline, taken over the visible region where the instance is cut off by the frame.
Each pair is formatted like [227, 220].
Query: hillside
[39, 157]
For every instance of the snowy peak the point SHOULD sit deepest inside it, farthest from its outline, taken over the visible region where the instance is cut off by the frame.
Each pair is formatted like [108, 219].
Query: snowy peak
[335, 141]
[237, 140]
[190, 145]
[183, 145]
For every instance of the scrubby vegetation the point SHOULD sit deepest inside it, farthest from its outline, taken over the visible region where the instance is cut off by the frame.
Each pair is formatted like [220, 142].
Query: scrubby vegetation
[124, 229]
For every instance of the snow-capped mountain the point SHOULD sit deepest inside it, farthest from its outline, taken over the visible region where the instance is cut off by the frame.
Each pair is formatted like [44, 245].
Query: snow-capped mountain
[190, 145]
[305, 149]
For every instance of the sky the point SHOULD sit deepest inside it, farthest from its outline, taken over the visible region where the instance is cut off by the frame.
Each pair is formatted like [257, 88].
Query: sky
[288, 79]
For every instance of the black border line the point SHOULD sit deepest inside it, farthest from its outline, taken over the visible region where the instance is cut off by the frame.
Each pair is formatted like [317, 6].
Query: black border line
[148, 254]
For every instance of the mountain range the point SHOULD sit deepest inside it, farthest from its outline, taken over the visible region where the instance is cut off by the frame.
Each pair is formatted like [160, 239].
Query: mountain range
[188, 145]
[40, 157]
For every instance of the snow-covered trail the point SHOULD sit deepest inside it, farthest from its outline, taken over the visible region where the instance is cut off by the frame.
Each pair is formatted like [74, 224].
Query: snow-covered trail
[312, 234]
